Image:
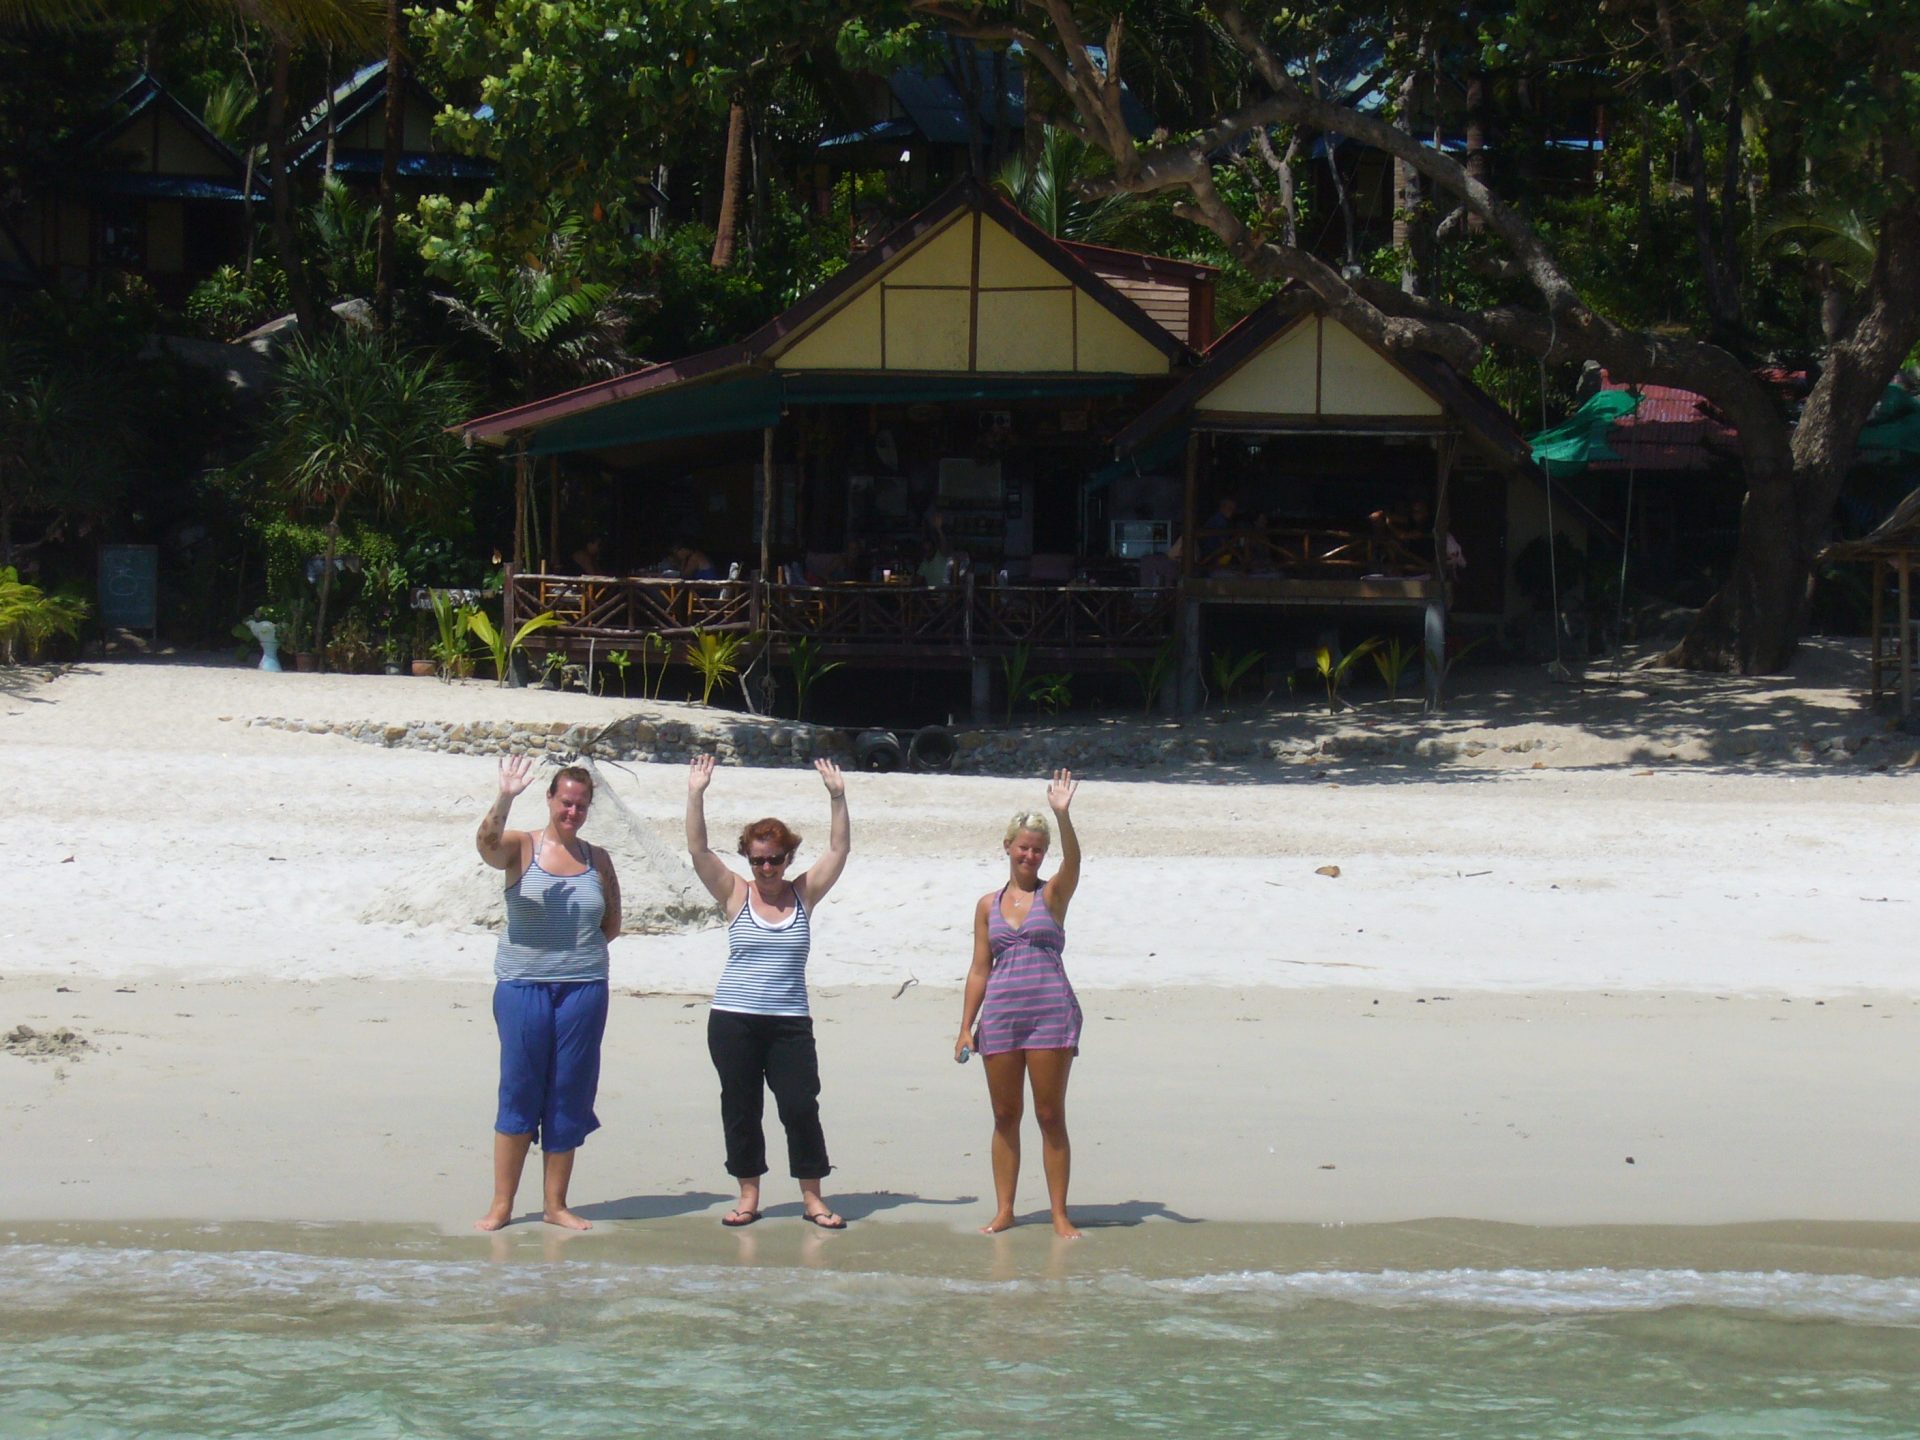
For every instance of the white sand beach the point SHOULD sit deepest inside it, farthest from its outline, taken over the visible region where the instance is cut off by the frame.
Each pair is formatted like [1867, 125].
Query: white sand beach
[1571, 982]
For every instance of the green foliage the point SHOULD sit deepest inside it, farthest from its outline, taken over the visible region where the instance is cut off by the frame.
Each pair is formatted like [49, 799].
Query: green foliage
[340, 246]
[651, 642]
[1051, 693]
[1047, 190]
[1153, 674]
[808, 668]
[29, 617]
[1229, 670]
[1014, 668]
[352, 422]
[500, 647]
[229, 302]
[1392, 660]
[1334, 672]
[453, 622]
[1440, 667]
[586, 96]
[714, 656]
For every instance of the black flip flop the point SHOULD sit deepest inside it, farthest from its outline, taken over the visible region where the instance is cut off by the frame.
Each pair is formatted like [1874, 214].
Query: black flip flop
[839, 1221]
[747, 1217]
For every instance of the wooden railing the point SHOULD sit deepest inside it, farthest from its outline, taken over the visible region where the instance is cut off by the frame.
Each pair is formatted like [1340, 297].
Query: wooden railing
[604, 607]
[897, 620]
[1304, 552]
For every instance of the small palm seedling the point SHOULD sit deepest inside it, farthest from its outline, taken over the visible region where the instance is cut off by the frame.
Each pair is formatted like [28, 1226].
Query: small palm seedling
[501, 647]
[1334, 672]
[714, 657]
[1014, 667]
[1392, 660]
[1051, 693]
[621, 661]
[803, 656]
[1229, 669]
[1154, 673]
[1440, 666]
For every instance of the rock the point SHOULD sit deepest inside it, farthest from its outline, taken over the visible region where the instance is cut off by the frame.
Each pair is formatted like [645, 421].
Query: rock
[1332, 872]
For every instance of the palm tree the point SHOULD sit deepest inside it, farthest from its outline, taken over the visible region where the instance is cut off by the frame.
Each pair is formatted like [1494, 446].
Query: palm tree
[352, 423]
[549, 328]
[1046, 190]
[64, 432]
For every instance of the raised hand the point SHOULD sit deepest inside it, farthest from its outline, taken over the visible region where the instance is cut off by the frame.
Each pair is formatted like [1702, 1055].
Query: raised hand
[1060, 792]
[699, 774]
[831, 777]
[516, 773]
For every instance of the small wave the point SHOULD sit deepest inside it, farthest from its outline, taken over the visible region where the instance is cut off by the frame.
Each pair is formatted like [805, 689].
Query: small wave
[44, 1277]
[1593, 1291]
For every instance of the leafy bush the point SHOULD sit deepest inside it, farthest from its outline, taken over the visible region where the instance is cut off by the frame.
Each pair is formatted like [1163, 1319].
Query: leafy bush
[29, 617]
[229, 302]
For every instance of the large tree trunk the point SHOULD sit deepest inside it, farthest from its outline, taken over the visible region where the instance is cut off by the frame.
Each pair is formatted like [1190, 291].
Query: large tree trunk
[390, 141]
[286, 237]
[726, 230]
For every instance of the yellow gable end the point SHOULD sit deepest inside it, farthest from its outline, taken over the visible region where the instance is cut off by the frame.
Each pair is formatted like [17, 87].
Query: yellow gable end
[1319, 367]
[1355, 379]
[924, 313]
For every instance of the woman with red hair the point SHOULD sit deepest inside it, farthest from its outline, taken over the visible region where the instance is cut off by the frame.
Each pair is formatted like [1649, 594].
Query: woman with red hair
[759, 1031]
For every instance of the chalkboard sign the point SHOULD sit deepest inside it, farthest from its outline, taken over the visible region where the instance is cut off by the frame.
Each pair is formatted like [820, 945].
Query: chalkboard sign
[129, 587]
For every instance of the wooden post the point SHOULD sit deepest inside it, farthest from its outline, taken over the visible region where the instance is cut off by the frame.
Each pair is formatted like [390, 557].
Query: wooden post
[520, 505]
[1189, 621]
[1877, 654]
[1906, 638]
[1188, 540]
[766, 504]
[552, 557]
[1443, 514]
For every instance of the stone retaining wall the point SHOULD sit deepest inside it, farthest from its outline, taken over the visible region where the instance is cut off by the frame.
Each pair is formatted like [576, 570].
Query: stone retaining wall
[752, 741]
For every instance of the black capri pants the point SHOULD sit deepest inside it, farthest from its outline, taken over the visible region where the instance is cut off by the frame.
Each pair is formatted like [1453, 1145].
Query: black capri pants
[755, 1053]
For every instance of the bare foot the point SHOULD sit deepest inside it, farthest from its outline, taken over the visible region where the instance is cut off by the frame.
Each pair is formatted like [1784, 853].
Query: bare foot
[1003, 1221]
[496, 1218]
[1064, 1228]
[565, 1218]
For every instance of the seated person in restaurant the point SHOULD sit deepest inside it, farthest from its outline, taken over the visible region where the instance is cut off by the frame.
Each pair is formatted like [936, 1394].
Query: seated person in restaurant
[1161, 569]
[690, 562]
[934, 565]
[1221, 543]
[586, 560]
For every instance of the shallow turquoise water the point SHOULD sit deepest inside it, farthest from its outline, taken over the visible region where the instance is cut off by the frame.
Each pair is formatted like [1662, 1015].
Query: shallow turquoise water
[154, 1341]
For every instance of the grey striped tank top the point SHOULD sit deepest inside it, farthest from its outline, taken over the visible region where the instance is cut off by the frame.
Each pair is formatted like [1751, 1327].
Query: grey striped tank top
[766, 970]
[553, 925]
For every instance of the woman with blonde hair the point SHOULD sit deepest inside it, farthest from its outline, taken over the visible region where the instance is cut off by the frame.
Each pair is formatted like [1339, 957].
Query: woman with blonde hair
[1020, 1011]
[759, 1031]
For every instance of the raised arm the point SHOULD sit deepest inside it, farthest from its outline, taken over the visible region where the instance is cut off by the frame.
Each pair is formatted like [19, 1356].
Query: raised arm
[721, 883]
[498, 846]
[977, 972]
[824, 871]
[1067, 878]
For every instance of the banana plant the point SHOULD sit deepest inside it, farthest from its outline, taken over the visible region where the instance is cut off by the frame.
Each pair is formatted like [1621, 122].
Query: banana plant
[499, 646]
[1014, 667]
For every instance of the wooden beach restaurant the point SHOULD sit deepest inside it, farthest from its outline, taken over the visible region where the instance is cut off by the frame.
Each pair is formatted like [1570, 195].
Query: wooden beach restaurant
[976, 440]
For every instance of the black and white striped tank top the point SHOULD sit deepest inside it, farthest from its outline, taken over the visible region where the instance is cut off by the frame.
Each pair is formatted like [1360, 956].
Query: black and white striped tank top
[766, 970]
[553, 924]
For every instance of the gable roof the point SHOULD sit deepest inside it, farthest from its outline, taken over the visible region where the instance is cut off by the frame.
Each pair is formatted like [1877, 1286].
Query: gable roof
[143, 96]
[1264, 329]
[761, 349]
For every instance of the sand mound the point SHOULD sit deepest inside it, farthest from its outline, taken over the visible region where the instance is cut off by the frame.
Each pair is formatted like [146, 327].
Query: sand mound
[32, 1044]
[658, 895]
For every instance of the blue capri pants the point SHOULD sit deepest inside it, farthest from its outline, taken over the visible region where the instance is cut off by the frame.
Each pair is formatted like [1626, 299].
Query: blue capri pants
[549, 1058]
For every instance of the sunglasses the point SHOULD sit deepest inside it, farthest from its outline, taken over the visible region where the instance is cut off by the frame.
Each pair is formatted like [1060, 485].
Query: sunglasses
[768, 862]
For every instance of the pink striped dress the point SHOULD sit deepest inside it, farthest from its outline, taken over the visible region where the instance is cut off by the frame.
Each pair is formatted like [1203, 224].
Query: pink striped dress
[1029, 1003]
